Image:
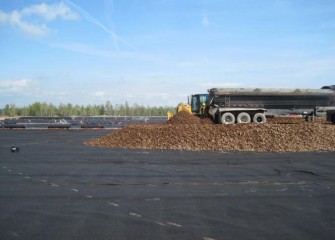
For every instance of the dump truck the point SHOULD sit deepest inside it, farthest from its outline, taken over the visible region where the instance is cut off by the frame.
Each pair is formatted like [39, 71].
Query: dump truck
[244, 105]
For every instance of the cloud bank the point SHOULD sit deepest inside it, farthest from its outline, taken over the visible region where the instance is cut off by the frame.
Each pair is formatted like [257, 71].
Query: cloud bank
[22, 19]
[22, 86]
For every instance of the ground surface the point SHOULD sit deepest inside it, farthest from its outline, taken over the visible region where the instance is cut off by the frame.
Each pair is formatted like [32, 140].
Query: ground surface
[58, 188]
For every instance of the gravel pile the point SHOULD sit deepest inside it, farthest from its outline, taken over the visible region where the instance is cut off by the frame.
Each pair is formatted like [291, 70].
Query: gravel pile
[184, 117]
[193, 135]
[294, 120]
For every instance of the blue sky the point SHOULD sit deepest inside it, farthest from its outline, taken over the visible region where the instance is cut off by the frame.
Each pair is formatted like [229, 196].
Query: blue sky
[158, 52]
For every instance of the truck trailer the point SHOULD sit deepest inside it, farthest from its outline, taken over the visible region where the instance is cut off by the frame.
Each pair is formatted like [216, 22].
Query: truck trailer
[244, 105]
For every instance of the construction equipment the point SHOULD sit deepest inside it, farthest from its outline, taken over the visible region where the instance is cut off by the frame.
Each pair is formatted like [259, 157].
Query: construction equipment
[181, 107]
[244, 105]
[198, 100]
[184, 107]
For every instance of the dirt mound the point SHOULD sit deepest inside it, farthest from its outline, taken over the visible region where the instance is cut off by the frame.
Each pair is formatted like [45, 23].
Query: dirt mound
[184, 117]
[180, 134]
[293, 120]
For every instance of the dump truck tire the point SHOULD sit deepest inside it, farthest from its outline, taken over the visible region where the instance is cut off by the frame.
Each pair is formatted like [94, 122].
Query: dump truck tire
[227, 118]
[243, 117]
[259, 118]
[333, 118]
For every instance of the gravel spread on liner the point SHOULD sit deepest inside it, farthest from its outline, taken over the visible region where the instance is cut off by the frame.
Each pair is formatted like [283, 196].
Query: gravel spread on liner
[201, 135]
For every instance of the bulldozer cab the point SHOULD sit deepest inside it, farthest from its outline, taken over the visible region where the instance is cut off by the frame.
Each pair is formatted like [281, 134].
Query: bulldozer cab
[197, 100]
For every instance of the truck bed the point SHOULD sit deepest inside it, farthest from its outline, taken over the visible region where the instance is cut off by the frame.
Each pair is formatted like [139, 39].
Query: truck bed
[271, 99]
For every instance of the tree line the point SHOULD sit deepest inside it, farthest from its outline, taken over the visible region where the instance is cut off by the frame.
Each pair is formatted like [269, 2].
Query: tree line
[43, 109]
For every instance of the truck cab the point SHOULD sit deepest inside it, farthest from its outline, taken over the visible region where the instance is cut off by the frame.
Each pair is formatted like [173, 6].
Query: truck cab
[197, 100]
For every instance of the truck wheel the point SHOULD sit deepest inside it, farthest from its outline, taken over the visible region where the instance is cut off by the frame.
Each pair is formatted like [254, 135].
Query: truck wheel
[227, 118]
[259, 118]
[333, 118]
[243, 117]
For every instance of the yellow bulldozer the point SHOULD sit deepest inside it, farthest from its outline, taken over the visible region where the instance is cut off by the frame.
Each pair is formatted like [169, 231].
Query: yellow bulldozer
[181, 107]
[197, 106]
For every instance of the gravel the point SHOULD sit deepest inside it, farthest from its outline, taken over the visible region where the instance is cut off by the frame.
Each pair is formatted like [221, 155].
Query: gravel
[187, 132]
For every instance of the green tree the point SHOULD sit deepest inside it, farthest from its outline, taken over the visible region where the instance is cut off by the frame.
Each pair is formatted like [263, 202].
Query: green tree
[108, 108]
[101, 110]
[23, 111]
[10, 110]
[48, 109]
[35, 109]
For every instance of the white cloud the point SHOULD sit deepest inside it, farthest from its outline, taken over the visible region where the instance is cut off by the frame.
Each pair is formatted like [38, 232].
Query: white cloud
[205, 21]
[130, 96]
[3, 17]
[99, 94]
[24, 86]
[20, 19]
[33, 29]
[50, 12]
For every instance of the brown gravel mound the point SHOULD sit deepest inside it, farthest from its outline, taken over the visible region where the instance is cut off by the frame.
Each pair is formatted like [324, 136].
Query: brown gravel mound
[184, 117]
[301, 137]
[293, 120]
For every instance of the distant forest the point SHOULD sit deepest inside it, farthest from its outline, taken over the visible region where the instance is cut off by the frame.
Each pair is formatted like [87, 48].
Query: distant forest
[43, 109]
